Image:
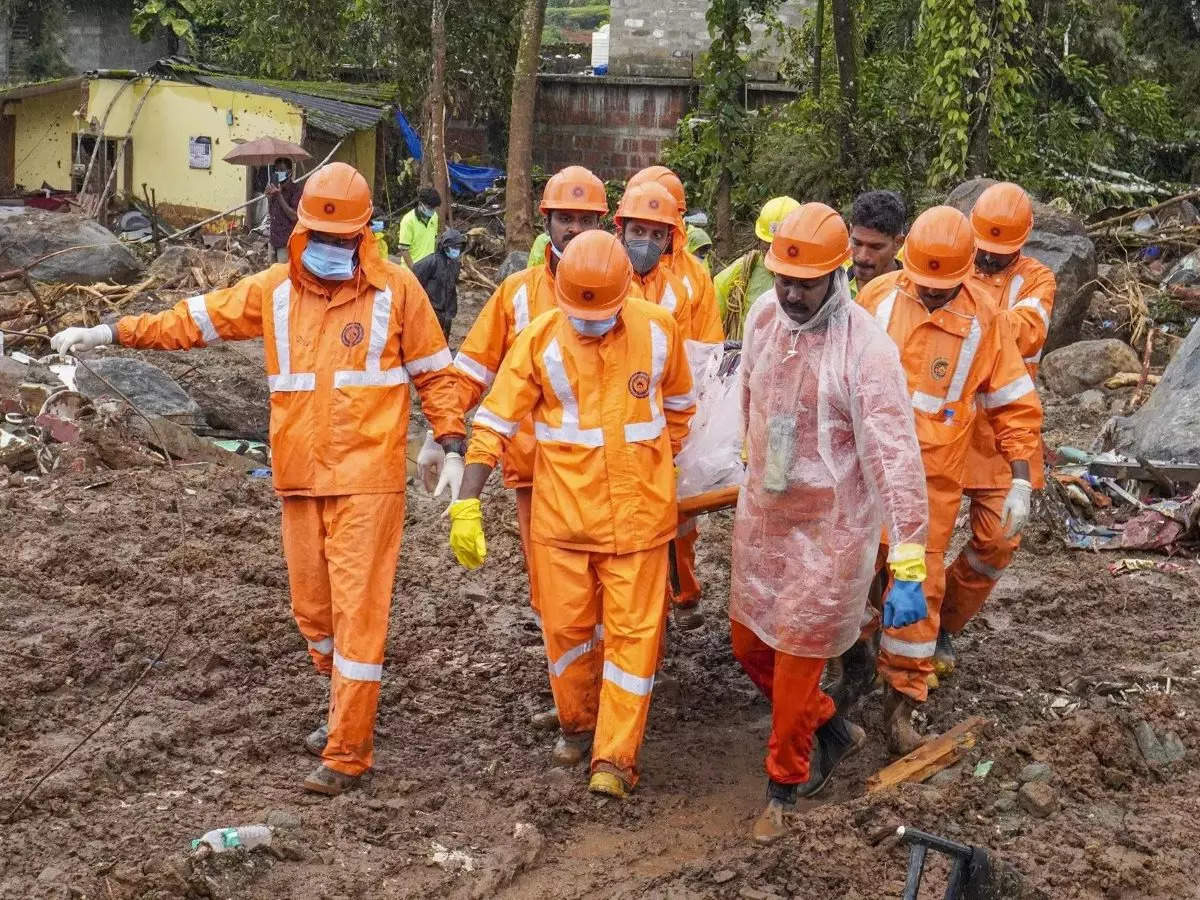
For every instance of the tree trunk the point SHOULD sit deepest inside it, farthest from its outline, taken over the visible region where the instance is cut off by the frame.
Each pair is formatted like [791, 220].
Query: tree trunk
[437, 110]
[819, 33]
[847, 60]
[979, 119]
[518, 204]
[723, 215]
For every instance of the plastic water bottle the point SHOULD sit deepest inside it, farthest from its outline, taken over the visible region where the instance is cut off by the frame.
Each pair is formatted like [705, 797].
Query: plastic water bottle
[220, 840]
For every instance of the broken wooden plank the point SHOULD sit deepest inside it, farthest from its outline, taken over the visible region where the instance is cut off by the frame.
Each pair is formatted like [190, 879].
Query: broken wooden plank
[930, 758]
[184, 444]
[1189, 473]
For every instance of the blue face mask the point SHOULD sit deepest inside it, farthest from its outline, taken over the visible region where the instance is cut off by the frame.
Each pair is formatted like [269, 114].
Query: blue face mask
[593, 327]
[329, 262]
[281, 176]
[454, 252]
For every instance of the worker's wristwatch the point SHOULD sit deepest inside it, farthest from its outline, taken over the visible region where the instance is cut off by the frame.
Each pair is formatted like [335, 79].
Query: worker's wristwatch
[454, 445]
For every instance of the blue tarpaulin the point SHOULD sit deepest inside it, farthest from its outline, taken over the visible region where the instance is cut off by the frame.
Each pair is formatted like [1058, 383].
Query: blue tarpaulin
[464, 179]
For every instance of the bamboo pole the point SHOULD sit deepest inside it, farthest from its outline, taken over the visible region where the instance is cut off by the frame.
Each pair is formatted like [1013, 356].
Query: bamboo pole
[98, 212]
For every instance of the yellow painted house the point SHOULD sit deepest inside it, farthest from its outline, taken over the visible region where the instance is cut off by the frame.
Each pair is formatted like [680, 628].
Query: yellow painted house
[181, 120]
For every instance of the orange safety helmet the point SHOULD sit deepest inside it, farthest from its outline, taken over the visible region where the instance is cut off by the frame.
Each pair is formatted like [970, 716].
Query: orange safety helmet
[593, 276]
[668, 179]
[810, 242]
[649, 201]
[1002, 218]
[940, 248]
[336, 200]
[574, 188]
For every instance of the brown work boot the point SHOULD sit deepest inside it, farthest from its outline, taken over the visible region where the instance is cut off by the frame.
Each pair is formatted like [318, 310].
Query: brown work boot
[316, 741]
[898, 708]
[546, 719]
[570, 749]
[772, 823]
[330, 782]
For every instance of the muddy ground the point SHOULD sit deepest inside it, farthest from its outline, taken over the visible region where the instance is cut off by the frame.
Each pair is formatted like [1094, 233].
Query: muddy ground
[99, 571]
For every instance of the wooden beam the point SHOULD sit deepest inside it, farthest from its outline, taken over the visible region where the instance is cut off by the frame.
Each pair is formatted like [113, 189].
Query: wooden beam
[930, 758]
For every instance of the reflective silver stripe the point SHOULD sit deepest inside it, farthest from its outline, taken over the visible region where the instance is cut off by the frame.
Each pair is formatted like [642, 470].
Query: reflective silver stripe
[520, 304]
[1035, 303]
[1014, 289]
[927, 403]
[537, 620]
[966, 356]
[357, 671]
[491, 420]
[1014, 390]
[569, 432]
[687, 283]
[324, 645]
[199, 313]
[648, 431]
[883, 314]
[286, 380]
[980, 566]
[371, 375]
[907, 648]
[668, 300]
[1029, 360]
[558, 666]
[680, 402]
[627, 681]
[430, 363]
[599, 631]
[474, 369]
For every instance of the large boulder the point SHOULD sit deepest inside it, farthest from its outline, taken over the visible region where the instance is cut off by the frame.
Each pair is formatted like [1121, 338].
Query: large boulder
[514, 262]
[1076, 367]
[150, 388]
[1059, 240]
[37, 233]
[1167, 427]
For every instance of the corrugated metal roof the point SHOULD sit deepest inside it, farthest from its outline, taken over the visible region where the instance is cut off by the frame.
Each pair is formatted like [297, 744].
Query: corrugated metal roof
[40, 88]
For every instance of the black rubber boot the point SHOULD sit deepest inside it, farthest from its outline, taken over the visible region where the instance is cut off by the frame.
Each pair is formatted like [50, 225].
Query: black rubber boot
[834, 741]
[858, 674]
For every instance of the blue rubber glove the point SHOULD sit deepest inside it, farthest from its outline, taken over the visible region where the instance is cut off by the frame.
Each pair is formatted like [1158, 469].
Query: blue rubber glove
[905, 604]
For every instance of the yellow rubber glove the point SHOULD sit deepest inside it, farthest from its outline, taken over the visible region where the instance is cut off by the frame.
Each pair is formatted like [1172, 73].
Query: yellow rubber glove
[466, 533]
[907, 562]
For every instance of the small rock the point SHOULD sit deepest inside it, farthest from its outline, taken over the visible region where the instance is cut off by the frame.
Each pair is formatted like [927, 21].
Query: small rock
[1092, 402]
[404, 786]
[944, 777]
[1149, 744]
[283, 818]
[1009, 786]
[50, 875]
[1006, 802]
[1038, 798]
[724, 875]
[1173, 747]
[1035, 771]
[749, 893]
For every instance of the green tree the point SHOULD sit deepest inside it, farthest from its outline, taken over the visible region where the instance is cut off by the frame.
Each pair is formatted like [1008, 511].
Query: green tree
[174, 18]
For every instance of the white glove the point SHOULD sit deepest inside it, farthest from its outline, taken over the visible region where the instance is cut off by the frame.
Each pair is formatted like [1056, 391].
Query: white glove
[451, 477]
[1016, 507]
[430, 461]
[77, 340]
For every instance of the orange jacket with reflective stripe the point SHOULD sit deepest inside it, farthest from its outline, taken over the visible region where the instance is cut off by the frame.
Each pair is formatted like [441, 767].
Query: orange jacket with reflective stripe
[521, 298]
[961, 361]
[1024, 294]
[662, 286]
[609, 415]
[338, 365]
[705, 314]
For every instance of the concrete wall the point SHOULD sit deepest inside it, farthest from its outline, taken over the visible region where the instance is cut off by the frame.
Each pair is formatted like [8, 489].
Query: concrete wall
[666, 38]
[97, 36]
[44, 139]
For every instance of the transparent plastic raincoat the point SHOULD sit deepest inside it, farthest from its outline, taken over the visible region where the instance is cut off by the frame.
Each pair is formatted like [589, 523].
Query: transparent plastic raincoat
[832, 458]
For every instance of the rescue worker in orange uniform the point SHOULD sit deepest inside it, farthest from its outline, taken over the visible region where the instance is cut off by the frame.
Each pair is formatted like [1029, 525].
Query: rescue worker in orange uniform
[962, 361]
[605, 378]
[832, 456]
[644, 222]
[701, 325]
[1022, 290]
[573, 202]
[345, 333]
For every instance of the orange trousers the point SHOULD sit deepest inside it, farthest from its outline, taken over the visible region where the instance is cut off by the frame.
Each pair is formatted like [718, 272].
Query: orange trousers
[524, 518]
[971, 577]
[685, 566]
[906, 654]
[798, 705]
[341, 556]
[602, 628]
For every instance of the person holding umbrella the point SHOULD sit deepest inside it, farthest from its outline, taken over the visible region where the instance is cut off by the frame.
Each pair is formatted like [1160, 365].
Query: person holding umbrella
[283, 195]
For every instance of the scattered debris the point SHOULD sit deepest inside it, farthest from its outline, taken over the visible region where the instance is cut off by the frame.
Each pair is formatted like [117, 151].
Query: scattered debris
[930, 758]
[450, 860]
[1158, 751]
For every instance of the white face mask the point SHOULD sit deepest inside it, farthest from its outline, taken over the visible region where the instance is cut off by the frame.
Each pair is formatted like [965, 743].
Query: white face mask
[593, 327]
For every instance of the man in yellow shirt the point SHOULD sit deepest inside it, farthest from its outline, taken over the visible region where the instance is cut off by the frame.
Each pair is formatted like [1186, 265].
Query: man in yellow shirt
[746, 279]
[419, 227]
